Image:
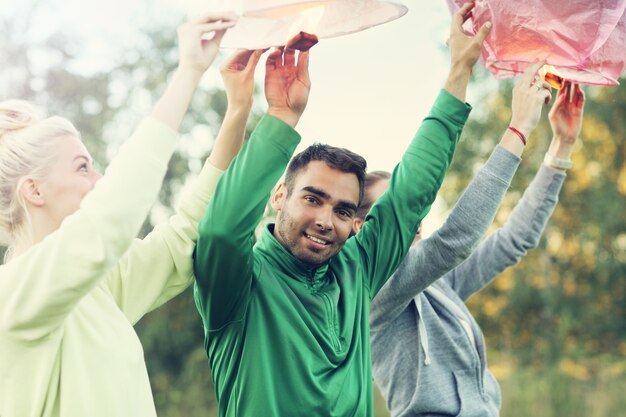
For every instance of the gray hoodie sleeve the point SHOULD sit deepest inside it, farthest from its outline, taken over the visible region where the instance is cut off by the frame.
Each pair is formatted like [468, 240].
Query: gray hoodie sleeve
[452, 243]
[508, 244]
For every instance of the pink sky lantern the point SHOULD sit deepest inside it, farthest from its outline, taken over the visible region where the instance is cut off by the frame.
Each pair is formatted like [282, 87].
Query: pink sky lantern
[266, 23]
[583, 41]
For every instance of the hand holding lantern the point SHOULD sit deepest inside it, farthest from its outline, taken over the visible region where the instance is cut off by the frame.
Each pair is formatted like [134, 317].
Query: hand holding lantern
[238, 75]
[196, 52]
[287, 84]
[566, 118]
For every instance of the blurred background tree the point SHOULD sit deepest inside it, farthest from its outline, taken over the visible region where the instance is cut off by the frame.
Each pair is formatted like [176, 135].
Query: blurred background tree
[555, 324]
[561, 312]
[561, 300]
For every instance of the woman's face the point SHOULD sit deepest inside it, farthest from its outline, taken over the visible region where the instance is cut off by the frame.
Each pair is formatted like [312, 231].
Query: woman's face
[69, 179]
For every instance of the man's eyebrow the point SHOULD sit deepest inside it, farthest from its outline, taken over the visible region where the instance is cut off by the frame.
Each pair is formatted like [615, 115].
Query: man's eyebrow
[347, 205]
[324, 195]
[320, 193]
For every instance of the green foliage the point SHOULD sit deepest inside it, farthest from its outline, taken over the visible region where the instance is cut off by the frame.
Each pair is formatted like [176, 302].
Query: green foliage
[172, 337]
[567, 297]
[565, 301]
[37, 70]
[551, 393]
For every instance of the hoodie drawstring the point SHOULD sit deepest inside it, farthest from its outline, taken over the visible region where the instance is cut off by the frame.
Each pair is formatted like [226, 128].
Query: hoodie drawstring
[422, 335]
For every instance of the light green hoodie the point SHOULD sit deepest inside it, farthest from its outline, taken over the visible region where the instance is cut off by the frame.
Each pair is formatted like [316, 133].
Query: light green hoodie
[68, 305]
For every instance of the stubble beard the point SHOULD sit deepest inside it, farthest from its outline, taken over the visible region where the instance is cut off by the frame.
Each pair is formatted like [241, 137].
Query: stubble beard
[289, 232]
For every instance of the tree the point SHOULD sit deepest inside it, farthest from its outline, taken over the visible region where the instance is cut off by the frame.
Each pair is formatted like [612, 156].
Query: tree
[566, 298]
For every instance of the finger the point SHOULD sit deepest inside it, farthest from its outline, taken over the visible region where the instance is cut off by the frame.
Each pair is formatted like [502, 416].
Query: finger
[546, 95]
[529, 74]
[215, 17]
[579, 96]
[237, 60]
[303, 67]
[483, 32]
[217, 38]
[290, 57]
[213, 27]
[566, 91]
[459, 17]
[541, 84]
[468, 16]
[569, 91]
[561, 97]
[253, 60]
[274, 60]
[563, 93]
[242, 55]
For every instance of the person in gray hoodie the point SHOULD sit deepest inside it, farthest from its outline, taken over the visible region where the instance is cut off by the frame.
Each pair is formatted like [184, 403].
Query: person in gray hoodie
[428, 352]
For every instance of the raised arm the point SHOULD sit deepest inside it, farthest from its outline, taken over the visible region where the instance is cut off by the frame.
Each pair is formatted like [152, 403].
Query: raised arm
[48, 281]
[160, 266]
[223, 256]
[196, 54]
[238, 75]
[432, 258]
[391, 224]
[464, 52]
[522, 231]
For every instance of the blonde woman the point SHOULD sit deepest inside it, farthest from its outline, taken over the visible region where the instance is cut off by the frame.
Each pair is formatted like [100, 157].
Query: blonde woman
[76, 280]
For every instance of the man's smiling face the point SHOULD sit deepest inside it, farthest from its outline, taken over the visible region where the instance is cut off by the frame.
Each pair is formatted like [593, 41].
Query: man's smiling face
[315, 217]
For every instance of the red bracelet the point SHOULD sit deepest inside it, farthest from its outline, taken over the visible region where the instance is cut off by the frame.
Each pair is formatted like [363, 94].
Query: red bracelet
[518, 133]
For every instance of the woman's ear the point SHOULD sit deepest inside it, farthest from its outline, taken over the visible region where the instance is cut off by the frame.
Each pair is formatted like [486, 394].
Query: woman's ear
[29, 189]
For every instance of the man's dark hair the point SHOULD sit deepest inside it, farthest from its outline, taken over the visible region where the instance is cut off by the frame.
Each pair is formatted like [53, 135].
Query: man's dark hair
[370, 179]
[338, 158]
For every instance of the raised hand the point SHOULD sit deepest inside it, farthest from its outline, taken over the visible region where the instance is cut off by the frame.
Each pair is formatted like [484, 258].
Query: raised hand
[199, 40]
[196, 55]
[529, 95]
[238, 75]
[464, 51]
[566, 119]
[566, 115]
[287, 84]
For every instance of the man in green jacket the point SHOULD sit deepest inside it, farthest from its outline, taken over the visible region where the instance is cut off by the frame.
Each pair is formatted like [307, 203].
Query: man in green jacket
[287, 319]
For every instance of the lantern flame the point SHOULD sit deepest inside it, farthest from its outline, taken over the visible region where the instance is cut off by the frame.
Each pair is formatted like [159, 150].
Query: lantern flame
[550, 75]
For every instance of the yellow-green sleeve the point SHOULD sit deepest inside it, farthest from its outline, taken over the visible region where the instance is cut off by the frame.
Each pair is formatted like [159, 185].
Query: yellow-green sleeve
[160, 266]
[39, 288]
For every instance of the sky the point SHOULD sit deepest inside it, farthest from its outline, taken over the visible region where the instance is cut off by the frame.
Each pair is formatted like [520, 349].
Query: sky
[370, 90]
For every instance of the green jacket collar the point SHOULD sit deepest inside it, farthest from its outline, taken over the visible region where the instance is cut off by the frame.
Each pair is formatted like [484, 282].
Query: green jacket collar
[286, 263]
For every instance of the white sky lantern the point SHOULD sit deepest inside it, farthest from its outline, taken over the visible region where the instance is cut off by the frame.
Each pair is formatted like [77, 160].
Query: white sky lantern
[266, 23]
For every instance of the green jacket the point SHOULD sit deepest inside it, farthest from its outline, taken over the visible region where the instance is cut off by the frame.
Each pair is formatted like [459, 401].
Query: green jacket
[284, 339]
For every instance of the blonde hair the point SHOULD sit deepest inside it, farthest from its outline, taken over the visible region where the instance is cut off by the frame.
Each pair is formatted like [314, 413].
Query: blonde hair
[27, 143]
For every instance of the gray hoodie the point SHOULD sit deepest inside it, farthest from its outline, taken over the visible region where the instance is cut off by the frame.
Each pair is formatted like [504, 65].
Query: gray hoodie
[428, 352]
